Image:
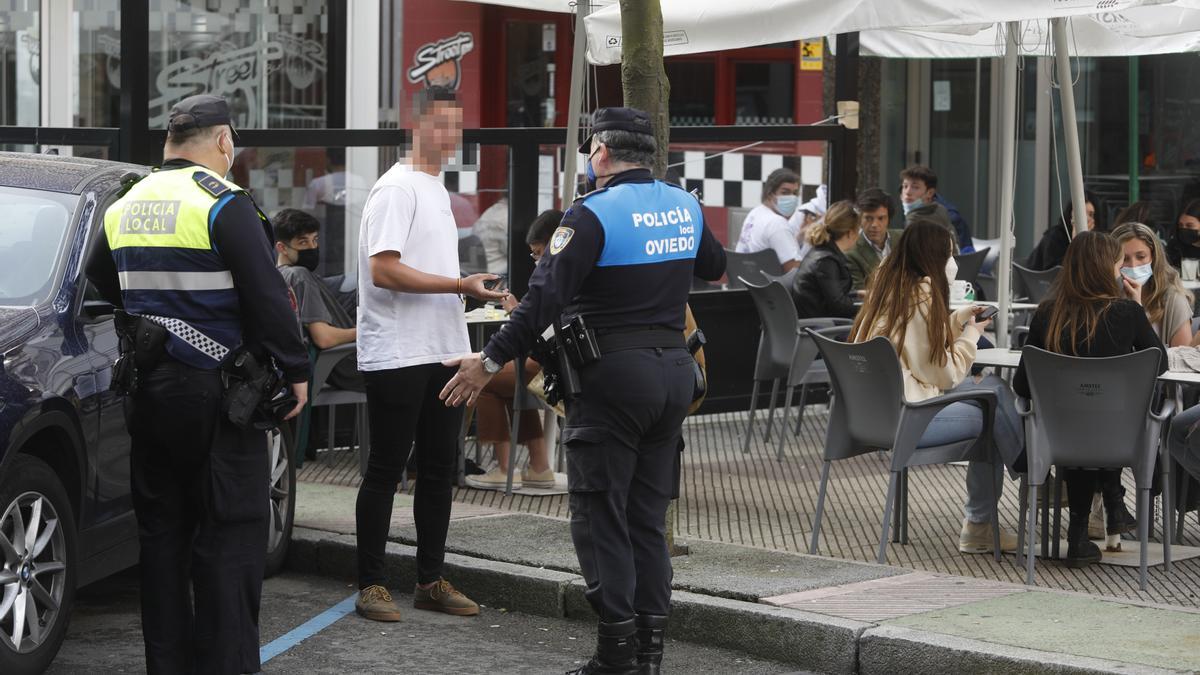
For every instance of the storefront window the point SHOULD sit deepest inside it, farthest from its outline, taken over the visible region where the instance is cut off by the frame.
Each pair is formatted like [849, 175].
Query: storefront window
[765, 93]
[97, 97]
[693, 92]
[267, 57]
[20, 67]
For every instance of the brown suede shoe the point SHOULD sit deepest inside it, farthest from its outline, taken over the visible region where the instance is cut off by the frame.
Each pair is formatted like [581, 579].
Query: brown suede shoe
[375, 603]
[442, 597]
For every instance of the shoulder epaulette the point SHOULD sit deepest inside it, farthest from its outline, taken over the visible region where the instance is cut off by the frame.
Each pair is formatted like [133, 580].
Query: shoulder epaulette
[210, 184]
[590, 194]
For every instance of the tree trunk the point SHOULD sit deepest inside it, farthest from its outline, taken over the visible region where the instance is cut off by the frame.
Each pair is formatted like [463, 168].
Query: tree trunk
[645, 86]
[644, 81]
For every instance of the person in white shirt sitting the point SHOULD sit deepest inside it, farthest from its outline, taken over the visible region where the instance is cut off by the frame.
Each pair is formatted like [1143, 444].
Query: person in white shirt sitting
[766, 226]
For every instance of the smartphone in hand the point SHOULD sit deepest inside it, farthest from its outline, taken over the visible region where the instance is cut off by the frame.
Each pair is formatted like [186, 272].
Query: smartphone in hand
[987, 313]
[500, 282]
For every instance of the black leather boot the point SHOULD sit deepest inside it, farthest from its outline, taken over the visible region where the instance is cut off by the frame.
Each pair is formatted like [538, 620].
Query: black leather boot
[1118, 519]
[650, 631]
[616, 650]
[1081, 552]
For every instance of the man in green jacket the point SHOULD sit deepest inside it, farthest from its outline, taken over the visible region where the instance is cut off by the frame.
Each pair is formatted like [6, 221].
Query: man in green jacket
[875, 209]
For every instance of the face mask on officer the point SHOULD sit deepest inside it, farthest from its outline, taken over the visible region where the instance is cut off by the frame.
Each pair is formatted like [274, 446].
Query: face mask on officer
[228, 156]
[590, 170]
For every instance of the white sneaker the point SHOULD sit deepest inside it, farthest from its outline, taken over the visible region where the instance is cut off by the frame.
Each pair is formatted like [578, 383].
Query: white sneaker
[495, 479]
[541, 481]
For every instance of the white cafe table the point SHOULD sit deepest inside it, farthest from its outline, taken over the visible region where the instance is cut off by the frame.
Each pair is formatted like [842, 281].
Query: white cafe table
[1012, 306]
[1011, 358]
[998, 357]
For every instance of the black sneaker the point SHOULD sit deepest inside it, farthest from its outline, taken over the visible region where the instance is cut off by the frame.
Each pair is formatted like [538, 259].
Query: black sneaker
[472, 469]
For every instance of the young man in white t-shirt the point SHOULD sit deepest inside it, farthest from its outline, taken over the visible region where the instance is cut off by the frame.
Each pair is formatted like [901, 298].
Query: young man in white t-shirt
[766, 226]
[410, 319]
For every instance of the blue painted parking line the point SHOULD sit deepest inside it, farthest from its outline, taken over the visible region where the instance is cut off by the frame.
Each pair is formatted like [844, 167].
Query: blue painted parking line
[306, 630]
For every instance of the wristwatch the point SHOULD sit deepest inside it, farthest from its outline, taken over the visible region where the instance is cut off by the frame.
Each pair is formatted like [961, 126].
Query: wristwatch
[489, 366]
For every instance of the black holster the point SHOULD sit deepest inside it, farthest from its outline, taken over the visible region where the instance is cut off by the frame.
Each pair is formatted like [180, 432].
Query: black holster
[255, 394]
[142, 344]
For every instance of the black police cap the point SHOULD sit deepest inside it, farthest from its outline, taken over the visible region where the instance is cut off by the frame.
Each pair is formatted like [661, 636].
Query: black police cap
[620, 119]
[199, 111]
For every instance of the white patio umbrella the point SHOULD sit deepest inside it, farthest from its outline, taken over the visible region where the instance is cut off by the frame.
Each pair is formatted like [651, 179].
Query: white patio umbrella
[691, 26]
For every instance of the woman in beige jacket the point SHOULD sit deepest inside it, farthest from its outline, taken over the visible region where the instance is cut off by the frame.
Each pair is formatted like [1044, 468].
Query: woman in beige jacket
[908, 301]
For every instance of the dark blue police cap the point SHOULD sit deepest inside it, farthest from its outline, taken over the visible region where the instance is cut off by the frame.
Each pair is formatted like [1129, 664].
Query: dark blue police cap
[199, 111]
[621, 119]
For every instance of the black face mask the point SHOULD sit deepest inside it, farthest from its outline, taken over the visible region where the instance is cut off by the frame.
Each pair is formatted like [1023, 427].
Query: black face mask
[308, 258]
[1187, 237]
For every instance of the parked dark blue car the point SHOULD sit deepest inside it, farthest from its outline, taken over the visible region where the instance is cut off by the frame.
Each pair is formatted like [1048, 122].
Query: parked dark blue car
[66, 518]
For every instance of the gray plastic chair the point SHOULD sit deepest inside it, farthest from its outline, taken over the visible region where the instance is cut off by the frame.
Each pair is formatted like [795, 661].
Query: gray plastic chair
[869, 413]
[969, 266]
[806, 369]
[1035, 285]
[325, 395]
[777, 351]
[1092, 413]
[1187, 458]
[742, 266]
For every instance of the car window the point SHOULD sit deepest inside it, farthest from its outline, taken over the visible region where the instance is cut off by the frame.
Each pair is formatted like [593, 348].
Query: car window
[32, 231]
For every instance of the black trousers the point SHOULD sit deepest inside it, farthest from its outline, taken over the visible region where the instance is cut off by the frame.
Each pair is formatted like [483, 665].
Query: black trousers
[623, 441]
[403, 407]
[201, 496]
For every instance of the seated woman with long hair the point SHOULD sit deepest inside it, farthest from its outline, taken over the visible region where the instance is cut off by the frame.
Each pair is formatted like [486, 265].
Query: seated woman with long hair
[823, 285]
[1093, 311]
[908, 302]
[1167, 303]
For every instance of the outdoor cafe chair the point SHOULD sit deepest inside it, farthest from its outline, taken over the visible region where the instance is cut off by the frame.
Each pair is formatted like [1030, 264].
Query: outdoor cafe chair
[1093, 413]
[969, 266]
[1036, 284]
[324, 394]
[752, 266]
[778, 359]
[869, 413]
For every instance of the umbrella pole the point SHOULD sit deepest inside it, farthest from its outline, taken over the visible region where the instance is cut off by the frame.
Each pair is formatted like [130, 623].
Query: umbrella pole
[574, 104]
[1008, 150]
[1066, 93]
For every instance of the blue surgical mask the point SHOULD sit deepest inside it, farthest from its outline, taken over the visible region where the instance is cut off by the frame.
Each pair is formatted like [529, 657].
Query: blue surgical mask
[913, 206]
[786, 205]
[590, 172]
[1138, 274]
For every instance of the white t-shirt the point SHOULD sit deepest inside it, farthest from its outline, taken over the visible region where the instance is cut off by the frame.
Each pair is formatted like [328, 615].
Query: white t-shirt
[408, 211]
[763, 229]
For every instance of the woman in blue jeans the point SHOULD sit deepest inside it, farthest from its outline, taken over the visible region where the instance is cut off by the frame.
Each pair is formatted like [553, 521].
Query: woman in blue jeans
[908, 301]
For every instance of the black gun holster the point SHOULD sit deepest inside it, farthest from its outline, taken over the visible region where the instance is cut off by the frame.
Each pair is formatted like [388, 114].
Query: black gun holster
[255, 395]
[142, 344]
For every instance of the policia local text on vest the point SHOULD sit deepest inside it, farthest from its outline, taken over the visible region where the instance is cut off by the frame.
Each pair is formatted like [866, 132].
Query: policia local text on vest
[189, 253]
[623, 258]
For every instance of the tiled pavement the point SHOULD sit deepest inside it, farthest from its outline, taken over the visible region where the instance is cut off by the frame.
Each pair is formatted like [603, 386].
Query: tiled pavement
[753, 500]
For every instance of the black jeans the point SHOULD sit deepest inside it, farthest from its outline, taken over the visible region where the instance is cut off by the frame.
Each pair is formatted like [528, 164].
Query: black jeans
[623, 440]
[201, 496]
[403, 407]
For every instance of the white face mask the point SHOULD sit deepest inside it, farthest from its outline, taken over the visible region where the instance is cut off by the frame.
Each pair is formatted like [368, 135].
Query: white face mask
[951, 269]
[228, 157]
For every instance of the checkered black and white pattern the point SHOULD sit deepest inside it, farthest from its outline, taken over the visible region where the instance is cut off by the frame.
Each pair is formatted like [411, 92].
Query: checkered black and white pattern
[184, 331]
[736, 179]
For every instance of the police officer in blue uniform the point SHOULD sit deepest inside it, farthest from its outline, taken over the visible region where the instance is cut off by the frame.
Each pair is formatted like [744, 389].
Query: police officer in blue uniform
[623, 258]
[188, 255]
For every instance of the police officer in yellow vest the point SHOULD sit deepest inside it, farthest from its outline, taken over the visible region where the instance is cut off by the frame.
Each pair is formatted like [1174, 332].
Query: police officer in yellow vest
[190, 254]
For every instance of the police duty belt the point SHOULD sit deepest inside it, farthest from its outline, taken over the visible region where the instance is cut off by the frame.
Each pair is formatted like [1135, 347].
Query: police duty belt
[190, 335]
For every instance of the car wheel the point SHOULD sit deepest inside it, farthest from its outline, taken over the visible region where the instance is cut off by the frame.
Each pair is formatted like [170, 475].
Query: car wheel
[37, 565]
[283, 496]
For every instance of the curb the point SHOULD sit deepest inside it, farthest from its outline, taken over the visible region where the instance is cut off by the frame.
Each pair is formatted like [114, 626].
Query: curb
[812, 641]
[894, 650]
